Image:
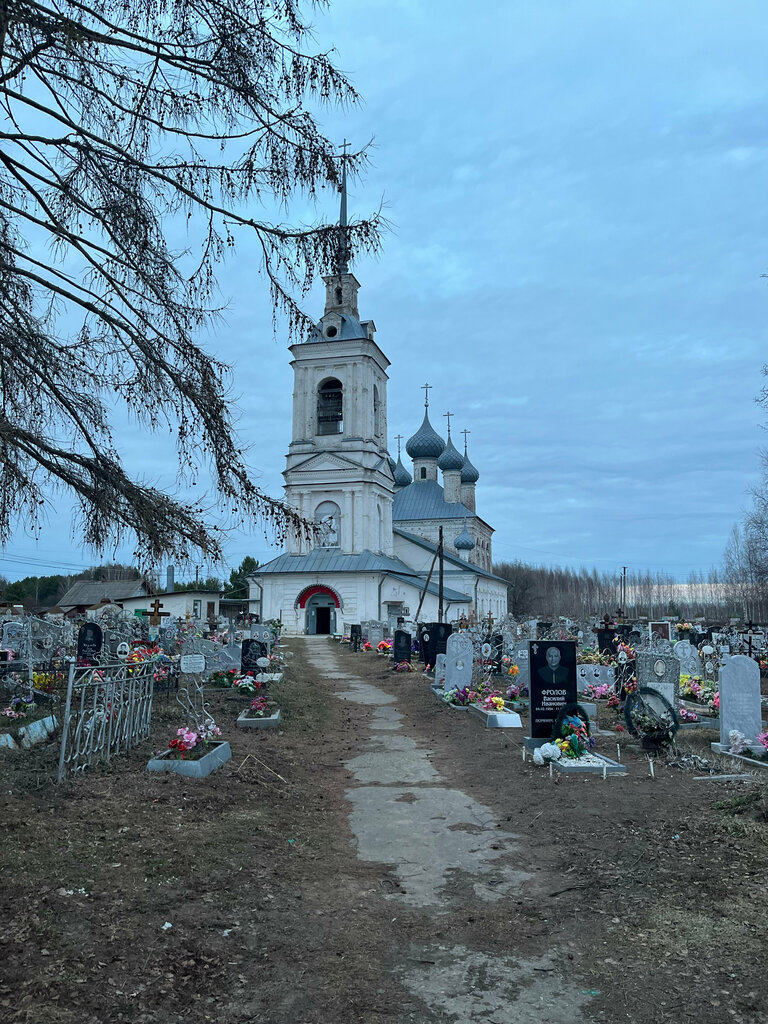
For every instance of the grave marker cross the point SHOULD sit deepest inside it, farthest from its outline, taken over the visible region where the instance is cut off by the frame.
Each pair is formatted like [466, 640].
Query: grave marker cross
[749, 633]
[154, 613]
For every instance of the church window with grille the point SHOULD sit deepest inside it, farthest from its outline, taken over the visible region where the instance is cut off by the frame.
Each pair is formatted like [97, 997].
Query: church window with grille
[330, 407]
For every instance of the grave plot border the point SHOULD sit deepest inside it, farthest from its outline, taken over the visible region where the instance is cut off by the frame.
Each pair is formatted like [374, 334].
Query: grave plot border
[267, 722]
[572, 767]
[218, 754]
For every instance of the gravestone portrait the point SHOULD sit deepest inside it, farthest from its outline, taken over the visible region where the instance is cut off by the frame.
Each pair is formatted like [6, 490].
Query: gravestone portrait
[261, 633]
[89, 641]
[740, 705]
[402, 646]
[552, 682]
[659, 672]
[250, 653]
[595, 675]
[459, 657]
[659, 629]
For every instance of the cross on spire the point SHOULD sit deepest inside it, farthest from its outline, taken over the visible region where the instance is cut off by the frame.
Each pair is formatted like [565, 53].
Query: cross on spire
[448, 417]
[398, 438]
[465, 432]
[344, 240]
[426, 389]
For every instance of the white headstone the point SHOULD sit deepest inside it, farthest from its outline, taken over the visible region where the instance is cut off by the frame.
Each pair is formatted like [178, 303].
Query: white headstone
[375, 633]
[520, 658]
[440, 670]
[740, 707]
[458, 661]
[688, 656]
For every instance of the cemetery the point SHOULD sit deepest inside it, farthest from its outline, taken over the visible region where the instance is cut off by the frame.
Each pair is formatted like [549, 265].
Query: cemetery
[229, 765]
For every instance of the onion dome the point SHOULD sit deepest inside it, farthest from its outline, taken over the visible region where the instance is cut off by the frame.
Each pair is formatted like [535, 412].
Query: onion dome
[469, 475]
[450, 459]
[401, 474]
[426, 443]
[464, 542]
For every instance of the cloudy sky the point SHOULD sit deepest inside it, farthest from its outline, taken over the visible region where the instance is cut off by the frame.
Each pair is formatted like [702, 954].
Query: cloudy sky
[577, 193]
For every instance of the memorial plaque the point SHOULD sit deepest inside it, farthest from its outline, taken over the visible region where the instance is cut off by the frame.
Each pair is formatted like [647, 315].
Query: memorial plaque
[402, 646]
[552, 682]
[192, 664]
[89, 641]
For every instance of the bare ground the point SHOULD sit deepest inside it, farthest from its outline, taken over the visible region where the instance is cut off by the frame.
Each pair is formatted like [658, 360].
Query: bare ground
[648, 894]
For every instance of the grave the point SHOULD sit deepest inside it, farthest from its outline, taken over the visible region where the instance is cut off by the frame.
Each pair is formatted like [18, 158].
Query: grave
[552, 684]
[375, 633]
[251, 651]
[688, 656]
[740, 705]
[595, 675]
[434, 637]
[520, 658]
[660, 672]
[439, 683]
[402, 646]
[89, 641]
[459, 658]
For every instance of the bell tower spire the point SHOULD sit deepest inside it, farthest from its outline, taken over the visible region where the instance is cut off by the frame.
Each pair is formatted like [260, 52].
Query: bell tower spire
[341, 286]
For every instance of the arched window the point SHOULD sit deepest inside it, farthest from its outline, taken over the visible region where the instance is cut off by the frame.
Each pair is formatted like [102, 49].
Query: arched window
[328, 519]
[330, 409]
[423, 472]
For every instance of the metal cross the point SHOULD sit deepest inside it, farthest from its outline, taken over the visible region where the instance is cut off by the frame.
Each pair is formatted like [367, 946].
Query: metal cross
[465, 432]
[398, 438]
[426, 389]
[448, 416]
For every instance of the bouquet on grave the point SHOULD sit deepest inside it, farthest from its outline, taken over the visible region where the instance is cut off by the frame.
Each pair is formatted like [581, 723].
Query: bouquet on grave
[493, 702]
[461, 696]
[404, 666]
[574, 740]
[189, 744]
[246, 684]
[222, 678]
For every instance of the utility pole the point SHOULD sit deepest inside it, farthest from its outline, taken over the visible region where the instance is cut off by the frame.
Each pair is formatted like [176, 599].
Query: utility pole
[440, 576]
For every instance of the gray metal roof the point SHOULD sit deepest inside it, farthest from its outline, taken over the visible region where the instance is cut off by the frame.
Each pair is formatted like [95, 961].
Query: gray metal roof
[469, 475]
[453, 559]
[90, 592]
[450, 459]
[401, 474]
[464, 541]
[425, 499]
[426, 443]
[454, 596]
[331, 560]
[351, 328]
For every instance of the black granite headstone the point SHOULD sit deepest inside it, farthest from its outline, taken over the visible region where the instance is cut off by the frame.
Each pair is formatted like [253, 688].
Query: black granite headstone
[251, 652]
[435, 638]
[356, 635]
[402, 646]
[89, 640]
[606, 640]
[552, 682]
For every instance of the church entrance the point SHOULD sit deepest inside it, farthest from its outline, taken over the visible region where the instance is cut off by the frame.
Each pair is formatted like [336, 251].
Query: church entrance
[320, 615]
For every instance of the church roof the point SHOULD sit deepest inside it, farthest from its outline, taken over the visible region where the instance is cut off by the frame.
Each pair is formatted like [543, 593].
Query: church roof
[453, 559]
[469, 475]
[450, 459]
[464, 541]
[425, 499]
[426, 443]
[330, 560]
[350, 329]
[401, 474]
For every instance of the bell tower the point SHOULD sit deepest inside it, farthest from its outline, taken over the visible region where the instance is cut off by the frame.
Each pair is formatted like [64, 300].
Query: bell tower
[337, 470]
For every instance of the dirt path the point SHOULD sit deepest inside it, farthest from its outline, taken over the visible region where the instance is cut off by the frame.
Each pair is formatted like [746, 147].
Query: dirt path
[382, 859]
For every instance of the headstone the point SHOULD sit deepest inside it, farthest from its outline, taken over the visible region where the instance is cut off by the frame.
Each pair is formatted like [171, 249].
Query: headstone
[595, 675]
[356, 635]
[459, 657]
[192, 664]
[402, 646]
[440, 671]
[436, 636]
[89, 641]
[552, 682]
[688, 656]
[520, 658]
[261, 633]
[660, 672]
[251, 651]
[375, 633]
[606, 640]
[740, 708]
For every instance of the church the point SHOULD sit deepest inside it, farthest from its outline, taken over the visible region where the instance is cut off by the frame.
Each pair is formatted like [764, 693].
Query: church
[373, 555]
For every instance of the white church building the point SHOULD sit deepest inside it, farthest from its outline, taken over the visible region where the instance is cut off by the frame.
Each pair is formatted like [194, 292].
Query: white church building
[378, 525]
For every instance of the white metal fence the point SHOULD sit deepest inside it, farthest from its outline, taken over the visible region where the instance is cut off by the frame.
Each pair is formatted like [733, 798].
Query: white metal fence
[108, 710]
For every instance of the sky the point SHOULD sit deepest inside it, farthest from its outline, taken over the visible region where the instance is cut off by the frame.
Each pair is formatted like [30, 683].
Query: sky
[576, 192]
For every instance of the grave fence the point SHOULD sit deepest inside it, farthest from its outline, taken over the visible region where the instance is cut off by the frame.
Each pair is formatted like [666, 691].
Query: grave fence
[108, 710]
